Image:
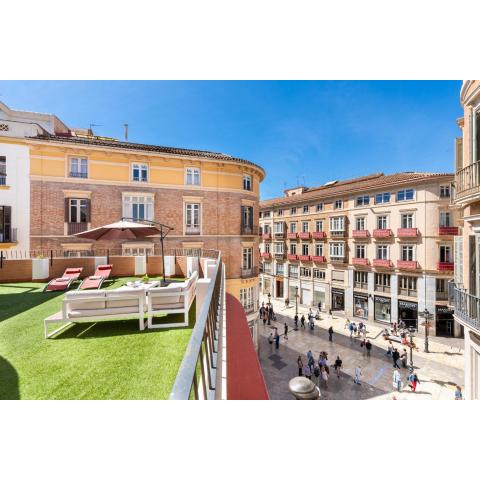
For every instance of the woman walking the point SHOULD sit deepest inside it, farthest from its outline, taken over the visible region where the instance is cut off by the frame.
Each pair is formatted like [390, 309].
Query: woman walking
[300, 365]
[413, 381]
[324, 376]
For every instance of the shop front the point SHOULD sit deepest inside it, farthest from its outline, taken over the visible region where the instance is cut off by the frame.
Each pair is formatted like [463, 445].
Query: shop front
[383, 309]
[279, 287]
[360, 305]
[306, 295]
[319, 297]
[408, 313]
[267, 285]
[444, 321]
[292, 291]
[338, 299]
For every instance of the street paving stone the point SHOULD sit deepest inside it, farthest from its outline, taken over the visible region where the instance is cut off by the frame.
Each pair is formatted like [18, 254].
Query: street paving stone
[438, 372]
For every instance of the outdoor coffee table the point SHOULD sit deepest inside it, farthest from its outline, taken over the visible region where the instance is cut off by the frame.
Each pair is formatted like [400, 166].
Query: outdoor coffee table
[143, 286]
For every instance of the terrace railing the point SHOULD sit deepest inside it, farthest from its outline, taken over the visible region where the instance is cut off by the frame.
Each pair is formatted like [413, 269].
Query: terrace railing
[197, 375]
[467, 306]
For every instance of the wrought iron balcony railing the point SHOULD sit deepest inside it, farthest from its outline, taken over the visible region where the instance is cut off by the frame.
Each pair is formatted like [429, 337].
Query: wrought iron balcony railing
[467, 181]
[249, 272]
[249, 229]
[466, 305]
[78, 174]
[76, 227]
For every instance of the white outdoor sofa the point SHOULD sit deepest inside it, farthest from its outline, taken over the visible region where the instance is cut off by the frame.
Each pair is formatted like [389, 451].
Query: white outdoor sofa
[88, 306]
[177, 297]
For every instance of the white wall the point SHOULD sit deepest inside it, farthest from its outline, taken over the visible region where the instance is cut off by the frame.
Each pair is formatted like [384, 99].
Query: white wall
[18, 195]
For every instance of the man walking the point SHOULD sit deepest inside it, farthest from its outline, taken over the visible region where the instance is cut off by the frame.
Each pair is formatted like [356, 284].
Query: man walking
[338, 366]
[330, 334]
[285, 331]
[300, 366]
[277, 339]
[368, 347]
[395, 357]
[302, 321]
[295, 321]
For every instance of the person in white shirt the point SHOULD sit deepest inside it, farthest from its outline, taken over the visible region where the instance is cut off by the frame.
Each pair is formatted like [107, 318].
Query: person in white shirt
[358, 374]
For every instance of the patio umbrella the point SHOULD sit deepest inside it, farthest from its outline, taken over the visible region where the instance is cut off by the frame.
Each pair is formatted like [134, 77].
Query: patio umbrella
[129, 229]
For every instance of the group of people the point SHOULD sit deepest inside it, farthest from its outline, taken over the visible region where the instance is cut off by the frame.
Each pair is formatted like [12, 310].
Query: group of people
[267, 315]
[354, 329]
[320, 368]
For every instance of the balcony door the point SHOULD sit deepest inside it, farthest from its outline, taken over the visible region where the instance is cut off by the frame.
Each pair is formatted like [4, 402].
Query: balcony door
[5, 223]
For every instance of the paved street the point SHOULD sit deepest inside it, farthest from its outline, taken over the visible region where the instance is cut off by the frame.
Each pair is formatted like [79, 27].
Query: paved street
[438, 371]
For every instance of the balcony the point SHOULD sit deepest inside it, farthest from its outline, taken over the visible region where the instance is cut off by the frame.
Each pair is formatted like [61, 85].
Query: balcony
[382, 288]
[9, 236]
[467, 182]
[78, 175]
[466, 305]
[338, 259]
[382, 263]
[279, 255]
[382, 233]
[266, 255]
[407, 264]
[76, 227]
[360, 261]
[338, 233]
[407, 232]
[292, 256]
[304, 235]
[267, 236]
[279, 235]
[249, 230]
[192, 230]
[448, 230]
[407, 292]
[445, 266]
[319, 259]
[249, 272]
[360, 285]
[305, 258]
[292, 236]
[319, 235]
[360, 234]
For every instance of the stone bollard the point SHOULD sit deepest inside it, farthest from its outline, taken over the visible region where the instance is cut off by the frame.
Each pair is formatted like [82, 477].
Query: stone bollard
[303, 389]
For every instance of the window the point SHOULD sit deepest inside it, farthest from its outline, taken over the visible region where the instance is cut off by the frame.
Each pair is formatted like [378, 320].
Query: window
[338, 276]
[247, 298]
[192, 176]
[382, 252]
[319, 226]
[278, 248]
[360, 223]
[293, 227]
[293, 211]
[304, 227]
[382, 280]
[360, 280]
[267, 267]
[305, 272]
[319, 207]
[280, 269]
[337, 224]
[247, 258]
[280, 212]
[192, 218]
[362, 200]
[319, 249]
[360, 251]
[338, 204]
[382, 222]
[5, 224]
[444, 191]
[337, 250]
[320, 274]
[267, 248]
[247, 219]
[305, 209]
[293, 248]
[408, 253]
[3, 170]
[407, 285]
[446, 254]
[78, 167]
[293, 270]
[139, 172]
[382, 197]
[278, 227]
[138, 207]
[247, 182]
[403, 195]
[441, 285]
[266, 214]
[77, 210]
[407, 220]
[305, 249]
[266, 228]
[445, 219]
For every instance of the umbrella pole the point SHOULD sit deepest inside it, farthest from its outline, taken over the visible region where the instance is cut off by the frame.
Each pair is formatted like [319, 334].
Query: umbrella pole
[163, 257]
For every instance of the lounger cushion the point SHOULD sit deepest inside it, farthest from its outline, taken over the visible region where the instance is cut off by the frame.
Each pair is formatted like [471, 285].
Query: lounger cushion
[162, 299]
[86, 305]
[168, 306]
[103, 312]
[115, 298]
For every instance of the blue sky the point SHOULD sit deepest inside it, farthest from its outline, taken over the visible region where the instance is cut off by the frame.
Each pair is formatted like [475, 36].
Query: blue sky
[305, 132]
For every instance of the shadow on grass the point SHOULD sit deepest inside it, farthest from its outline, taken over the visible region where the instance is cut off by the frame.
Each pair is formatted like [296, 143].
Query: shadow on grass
[12, 304]
[8, 381]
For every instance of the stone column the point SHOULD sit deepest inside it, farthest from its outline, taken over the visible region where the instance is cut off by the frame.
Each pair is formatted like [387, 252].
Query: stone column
[394, 296]
[349, 294]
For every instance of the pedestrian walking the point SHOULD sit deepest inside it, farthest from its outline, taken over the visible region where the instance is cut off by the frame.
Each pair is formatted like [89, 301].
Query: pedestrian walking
[285, 331]
[338, 366]
[355, 329]
[307, 372]
[347, 324]
[395, 357]
[287, 302]
[403, 358]
[330, 334]
[330, 314]
[310, 359]
[397, 380]
[277, 339]
[319, 307]
[358, 374]
[458, 393]
[350, 327]
[324, 376]
[368, 347]
[413, 381]
[300, 365]
[302, 322]
[270, 338]
[295, 321]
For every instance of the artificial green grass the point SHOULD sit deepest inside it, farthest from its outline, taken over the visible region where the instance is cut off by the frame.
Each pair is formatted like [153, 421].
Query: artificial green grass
[98, 360]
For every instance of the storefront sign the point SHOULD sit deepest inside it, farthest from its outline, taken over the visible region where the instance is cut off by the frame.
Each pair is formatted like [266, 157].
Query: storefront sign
[409, 305]
[444, 310]
[382, 300]
[337, 291]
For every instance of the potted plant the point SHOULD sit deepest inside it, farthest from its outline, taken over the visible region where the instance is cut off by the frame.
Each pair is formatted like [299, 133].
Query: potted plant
[145, 279]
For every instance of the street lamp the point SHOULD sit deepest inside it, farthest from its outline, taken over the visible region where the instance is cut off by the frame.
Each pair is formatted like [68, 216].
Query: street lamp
[296, 300]
[426, 315]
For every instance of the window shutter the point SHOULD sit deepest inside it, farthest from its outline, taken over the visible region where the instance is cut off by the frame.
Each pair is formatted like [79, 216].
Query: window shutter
[89, 209]
[67, 206]
[7, 222]
[458, 260]
[458, 153]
